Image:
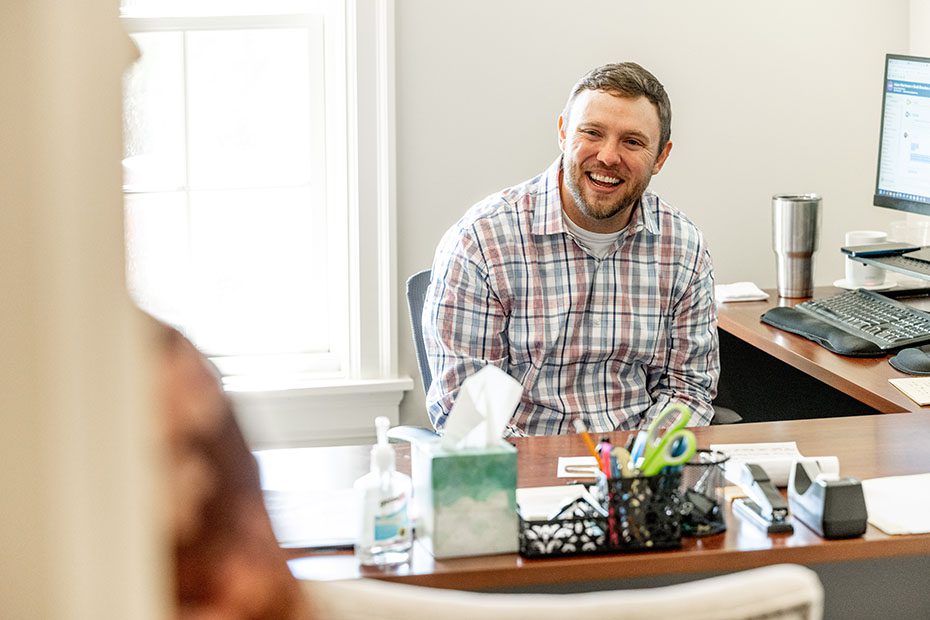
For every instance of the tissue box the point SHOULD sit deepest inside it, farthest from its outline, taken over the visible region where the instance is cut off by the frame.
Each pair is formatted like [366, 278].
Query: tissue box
[466, 499]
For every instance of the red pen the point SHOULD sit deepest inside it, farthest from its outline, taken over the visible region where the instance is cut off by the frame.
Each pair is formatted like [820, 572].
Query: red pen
[604, 448]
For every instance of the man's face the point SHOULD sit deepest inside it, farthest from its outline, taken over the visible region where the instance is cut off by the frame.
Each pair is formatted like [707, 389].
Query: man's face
[610, 148]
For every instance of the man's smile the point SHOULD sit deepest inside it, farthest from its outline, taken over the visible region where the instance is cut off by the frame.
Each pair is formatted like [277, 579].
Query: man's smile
[604, 180]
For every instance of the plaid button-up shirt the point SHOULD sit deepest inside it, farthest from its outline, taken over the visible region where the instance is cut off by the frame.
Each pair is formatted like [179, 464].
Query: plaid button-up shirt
[610, 340]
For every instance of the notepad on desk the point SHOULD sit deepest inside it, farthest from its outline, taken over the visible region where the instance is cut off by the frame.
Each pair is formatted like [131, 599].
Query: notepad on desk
[915, 388]
[899, 504]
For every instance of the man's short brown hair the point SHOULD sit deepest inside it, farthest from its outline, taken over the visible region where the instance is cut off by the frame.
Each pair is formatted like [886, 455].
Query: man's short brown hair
[627, 79]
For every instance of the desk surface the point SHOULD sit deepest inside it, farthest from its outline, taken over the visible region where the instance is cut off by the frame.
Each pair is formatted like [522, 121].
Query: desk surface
[867, 446]
[865, 379]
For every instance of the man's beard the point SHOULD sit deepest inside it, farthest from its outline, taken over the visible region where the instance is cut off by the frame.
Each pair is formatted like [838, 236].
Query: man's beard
[625, 202]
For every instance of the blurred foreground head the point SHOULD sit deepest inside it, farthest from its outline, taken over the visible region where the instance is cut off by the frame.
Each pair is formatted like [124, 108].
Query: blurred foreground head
[227, 561]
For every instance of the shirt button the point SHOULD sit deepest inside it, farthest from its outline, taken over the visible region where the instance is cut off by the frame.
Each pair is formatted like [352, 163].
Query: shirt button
[596, 322]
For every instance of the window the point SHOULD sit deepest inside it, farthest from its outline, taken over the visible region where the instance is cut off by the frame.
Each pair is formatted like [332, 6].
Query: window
[258, 195]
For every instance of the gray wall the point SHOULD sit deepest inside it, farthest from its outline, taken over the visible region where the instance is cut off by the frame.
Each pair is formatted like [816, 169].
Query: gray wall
[767, 97]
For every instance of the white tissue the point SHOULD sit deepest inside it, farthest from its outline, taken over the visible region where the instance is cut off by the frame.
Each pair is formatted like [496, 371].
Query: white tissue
[739, 291]
[485, 403]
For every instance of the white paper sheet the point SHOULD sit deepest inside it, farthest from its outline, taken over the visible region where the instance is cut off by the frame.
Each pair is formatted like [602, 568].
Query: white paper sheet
[899, 504]
[540, 503]
[776, 458]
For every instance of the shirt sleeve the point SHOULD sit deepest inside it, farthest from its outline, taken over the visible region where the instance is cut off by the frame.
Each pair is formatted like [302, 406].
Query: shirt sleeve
[690, 376]
[464, 321]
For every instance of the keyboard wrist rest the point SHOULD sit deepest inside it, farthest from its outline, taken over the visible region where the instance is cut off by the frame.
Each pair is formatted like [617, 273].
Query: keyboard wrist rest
[829, 337]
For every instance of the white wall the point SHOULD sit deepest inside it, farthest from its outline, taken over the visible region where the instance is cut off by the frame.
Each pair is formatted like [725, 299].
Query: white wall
[920, 27]
[767, 97]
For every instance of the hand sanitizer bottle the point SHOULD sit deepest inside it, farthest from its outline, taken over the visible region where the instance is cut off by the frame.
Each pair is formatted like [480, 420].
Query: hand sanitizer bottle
[385, 534]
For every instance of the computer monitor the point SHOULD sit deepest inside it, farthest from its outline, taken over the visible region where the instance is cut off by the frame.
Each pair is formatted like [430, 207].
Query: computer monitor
[903, 178]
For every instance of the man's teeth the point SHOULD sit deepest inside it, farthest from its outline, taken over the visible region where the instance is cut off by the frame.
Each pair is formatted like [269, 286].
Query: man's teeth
[604, 179]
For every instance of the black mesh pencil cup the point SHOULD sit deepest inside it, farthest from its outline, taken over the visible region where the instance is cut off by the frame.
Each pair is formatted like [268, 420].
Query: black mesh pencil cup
[644, 513]
[702, 501]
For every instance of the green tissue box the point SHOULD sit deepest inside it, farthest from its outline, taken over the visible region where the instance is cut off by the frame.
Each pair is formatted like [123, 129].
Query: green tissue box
[466, 499]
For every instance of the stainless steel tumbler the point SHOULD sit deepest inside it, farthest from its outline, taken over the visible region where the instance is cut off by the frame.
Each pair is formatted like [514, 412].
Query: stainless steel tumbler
[795, 231]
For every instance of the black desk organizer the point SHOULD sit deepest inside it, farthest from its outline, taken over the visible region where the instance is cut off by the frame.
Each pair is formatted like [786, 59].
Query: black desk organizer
[644, 514]
[703, 505]
[578, 532]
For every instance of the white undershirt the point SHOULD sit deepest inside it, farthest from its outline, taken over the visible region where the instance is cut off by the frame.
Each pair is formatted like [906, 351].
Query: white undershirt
[596, 244]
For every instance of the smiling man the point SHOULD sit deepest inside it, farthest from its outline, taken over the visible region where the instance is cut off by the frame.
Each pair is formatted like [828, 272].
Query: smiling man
[581, 283]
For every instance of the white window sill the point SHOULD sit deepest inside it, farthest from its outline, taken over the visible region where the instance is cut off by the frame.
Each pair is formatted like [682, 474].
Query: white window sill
[315, 413]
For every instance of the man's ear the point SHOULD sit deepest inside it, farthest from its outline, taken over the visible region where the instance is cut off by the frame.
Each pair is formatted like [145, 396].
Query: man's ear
[562, 124]
[660, 160]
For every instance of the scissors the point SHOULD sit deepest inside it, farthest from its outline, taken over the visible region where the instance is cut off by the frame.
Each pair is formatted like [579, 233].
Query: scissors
[668, 447]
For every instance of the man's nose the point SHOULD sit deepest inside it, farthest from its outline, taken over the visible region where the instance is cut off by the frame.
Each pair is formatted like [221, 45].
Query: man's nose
[609, 154]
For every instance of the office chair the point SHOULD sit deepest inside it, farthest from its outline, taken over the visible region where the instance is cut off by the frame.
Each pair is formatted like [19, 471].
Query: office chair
[416, 294]
[777, 592]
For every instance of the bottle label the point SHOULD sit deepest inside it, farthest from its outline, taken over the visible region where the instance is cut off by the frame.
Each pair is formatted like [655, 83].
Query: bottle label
[391, 527]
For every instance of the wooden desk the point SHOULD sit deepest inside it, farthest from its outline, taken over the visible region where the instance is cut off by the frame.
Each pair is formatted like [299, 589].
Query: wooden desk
[863, 379]
[867, 446]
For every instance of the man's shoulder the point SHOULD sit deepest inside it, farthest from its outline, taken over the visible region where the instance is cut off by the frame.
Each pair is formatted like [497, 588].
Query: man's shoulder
[505, 209]
[672, 220]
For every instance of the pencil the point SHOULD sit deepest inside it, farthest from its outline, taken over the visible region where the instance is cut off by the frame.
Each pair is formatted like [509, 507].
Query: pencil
[582, 430]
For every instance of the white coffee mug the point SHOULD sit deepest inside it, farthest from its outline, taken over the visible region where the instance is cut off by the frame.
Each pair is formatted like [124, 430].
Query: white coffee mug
[858, 274]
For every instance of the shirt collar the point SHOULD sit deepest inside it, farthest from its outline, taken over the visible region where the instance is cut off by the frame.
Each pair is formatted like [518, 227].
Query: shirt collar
[547, 218]
[646, 216]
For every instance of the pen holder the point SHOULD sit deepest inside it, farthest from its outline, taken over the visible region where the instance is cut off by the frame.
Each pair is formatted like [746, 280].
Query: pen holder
[644, 513]
[577, 530]
[702, 494]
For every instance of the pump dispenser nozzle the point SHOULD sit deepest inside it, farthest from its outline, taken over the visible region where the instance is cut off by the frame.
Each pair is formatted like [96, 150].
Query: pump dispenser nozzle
[382, 453]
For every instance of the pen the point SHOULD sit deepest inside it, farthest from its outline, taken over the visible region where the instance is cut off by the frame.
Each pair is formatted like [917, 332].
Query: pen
[582, 430]
[621, 459]
[638, 447]
[606, 462]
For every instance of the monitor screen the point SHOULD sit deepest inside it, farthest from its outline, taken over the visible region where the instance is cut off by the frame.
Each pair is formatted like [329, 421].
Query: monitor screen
[903, 179]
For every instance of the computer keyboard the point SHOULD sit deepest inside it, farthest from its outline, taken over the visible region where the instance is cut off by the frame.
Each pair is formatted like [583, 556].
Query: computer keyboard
[879, 319]
[907, 265]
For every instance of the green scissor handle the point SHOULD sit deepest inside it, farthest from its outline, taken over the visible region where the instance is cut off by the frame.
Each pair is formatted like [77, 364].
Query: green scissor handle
[660, 442]
[665, 454]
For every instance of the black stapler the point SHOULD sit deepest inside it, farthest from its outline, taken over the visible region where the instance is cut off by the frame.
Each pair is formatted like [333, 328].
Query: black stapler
[833, 507]
[765, 506]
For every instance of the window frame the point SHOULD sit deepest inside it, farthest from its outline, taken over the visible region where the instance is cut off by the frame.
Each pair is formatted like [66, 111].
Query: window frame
[301, 410]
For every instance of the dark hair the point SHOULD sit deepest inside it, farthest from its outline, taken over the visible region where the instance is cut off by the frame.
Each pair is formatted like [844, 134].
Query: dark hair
[627, 79]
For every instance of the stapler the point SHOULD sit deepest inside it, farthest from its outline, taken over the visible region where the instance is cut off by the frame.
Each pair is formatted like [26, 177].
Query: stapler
[765, 506]
[833, 507]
